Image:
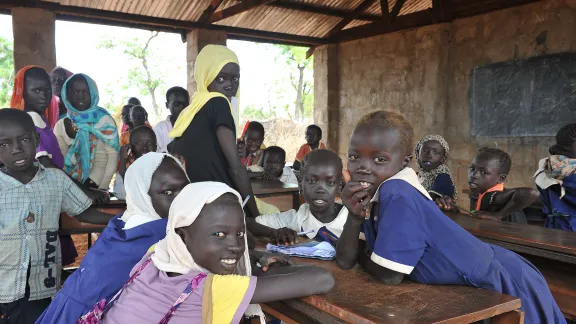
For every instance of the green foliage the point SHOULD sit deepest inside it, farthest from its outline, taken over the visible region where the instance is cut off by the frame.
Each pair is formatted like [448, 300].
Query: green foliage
[6, 72]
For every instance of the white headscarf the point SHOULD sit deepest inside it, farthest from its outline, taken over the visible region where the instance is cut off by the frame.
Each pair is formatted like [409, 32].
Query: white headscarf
[171, 254]
[139, 209]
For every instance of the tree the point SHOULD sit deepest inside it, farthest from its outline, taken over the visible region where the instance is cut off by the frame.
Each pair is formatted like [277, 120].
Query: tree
[6, 72]
[144, 76]
[301, 78]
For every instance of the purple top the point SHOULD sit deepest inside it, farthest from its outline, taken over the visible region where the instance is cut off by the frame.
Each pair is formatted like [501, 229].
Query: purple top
[149, 297]
[49, 144]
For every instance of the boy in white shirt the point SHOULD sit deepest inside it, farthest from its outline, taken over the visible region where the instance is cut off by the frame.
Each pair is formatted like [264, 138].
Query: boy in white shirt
[274, 165]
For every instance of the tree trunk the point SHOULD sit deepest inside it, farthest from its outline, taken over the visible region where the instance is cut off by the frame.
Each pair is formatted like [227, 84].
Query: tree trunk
[299, 113]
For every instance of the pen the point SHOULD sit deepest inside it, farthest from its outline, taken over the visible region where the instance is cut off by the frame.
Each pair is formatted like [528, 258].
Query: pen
[306, 232]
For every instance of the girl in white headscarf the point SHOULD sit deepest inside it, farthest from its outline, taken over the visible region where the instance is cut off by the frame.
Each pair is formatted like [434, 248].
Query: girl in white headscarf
[201, 273]
[152, 183]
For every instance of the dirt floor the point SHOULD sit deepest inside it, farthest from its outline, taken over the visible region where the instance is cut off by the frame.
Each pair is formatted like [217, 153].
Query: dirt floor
[81, 243]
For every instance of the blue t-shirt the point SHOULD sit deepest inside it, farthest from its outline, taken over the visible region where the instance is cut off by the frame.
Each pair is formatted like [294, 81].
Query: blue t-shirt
[561, 212]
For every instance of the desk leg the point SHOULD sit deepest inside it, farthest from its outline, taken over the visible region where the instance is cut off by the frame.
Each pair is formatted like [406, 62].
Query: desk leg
[514, 317]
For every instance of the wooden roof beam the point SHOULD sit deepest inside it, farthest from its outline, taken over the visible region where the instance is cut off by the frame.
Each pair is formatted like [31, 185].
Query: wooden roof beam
[244, 6]
[345, 21]
[214, 4]
[385, 9]
[395, 10]
[321, 10]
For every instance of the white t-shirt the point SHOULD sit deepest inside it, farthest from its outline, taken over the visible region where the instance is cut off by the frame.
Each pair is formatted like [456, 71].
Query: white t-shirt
[161, 130]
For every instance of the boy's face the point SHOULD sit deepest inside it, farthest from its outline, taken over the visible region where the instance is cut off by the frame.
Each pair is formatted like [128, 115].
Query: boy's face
[126, 115]
[484, 173]
[312, 136]
[37, 93]
[253, 140]
[375, 155]
[177, 101]
[17, 146]
[320, 185]
[431, 155]
[138, 116]
[273, 164]
[142, 143]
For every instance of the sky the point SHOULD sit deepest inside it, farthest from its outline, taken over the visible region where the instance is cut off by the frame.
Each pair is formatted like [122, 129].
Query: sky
[76, 50]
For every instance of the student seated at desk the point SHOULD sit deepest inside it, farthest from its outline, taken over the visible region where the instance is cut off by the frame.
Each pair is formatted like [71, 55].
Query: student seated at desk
[138, 117]
[274, 164]
[406, 233]
[31, 200]
[201, 271]
[434, 175]
[177, 98]
[142, 141]
[556, 181]
[313, 137]
[152, 183]
[321, 172]
[254, 138]
[486, 177]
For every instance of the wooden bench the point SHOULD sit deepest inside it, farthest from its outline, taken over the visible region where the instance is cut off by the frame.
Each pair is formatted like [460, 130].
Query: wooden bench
[284, 196]
[358, 298]
[552, 251]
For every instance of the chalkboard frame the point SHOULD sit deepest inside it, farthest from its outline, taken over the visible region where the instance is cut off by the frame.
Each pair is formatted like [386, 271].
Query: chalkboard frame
[513, 69]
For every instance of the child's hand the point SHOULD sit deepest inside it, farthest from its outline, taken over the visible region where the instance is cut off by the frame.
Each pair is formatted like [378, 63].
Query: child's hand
[445, 203]
[284, 236]
[266, 259]
[124, 153]
[486, 215]
[356, 198]
[98, 197]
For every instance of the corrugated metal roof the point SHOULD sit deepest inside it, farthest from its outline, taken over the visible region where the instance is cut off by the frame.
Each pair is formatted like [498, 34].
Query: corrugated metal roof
[268, 18]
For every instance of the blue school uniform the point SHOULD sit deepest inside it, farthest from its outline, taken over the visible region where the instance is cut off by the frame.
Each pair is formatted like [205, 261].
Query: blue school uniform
[443, 185]
[104, 269]
[561, 212]
[412, 236]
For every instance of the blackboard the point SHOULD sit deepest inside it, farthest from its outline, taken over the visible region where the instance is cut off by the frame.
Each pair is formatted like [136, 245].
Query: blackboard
[531, 97]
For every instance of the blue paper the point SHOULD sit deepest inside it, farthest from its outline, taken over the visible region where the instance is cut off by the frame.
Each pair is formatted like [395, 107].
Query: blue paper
[311, 250]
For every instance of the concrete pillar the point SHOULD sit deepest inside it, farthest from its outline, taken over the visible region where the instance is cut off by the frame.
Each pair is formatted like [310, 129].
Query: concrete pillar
[34, 38]
[327, 94]
[195, 42]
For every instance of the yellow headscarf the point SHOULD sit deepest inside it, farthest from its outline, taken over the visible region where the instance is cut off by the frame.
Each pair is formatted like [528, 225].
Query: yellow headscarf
[209, 62]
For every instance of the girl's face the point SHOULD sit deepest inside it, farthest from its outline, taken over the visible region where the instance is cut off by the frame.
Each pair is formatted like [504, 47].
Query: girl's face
[484, 173]
[126, 115]
[57, 79]
[138, 116]
[375, 155]
[79, 93]
[167, 182]
[142, 143]
[37, 91]
[216, 239]
[432, 154]
[254, 140]
[320, 185]
[227, 81]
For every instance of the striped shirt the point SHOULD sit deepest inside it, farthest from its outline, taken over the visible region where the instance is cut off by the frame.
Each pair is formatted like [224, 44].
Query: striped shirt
[29, 215]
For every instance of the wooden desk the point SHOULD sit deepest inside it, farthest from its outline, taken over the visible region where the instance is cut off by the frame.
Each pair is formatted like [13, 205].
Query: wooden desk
[284, 196]
[358, 298]
[534, 240]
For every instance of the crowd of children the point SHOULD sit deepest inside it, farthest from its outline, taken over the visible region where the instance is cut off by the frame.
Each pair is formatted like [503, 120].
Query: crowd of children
[181, 253]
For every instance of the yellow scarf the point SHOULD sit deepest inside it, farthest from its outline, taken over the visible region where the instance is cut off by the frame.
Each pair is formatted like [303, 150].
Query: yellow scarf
[208, 64]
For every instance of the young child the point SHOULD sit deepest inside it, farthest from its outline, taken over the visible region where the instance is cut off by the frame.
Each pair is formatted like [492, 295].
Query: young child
[204, 259]
[313, 137]
[152, 183]
[125, 116]
[489, 199]
[138, 117]
[321, 173]
[142, 141]
[58, 76]
[93, 165]
[435, 176]
[274, 164]
[31, 200]
[406, 234]
[556, 181]
[254, 138]
[33, 94]
[177, 98]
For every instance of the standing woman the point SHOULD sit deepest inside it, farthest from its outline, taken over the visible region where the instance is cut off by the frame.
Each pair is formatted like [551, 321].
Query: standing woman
[88, 136]
[205, 133]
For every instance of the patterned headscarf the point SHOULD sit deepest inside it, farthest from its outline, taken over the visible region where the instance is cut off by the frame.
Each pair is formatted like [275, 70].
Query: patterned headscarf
[91, 127]
[17, 100]
[427, 178]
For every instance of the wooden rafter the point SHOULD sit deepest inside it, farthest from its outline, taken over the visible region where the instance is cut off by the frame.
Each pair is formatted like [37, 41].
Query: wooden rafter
[396, 10]
[345, 21]
[244, 6]
[385, 9]
[321, 10]
[214, 4]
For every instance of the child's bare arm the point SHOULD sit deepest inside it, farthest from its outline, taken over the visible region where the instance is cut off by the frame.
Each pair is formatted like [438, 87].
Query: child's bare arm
[384, 275]
[297, 281]
[512, 200]
[94, 216]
